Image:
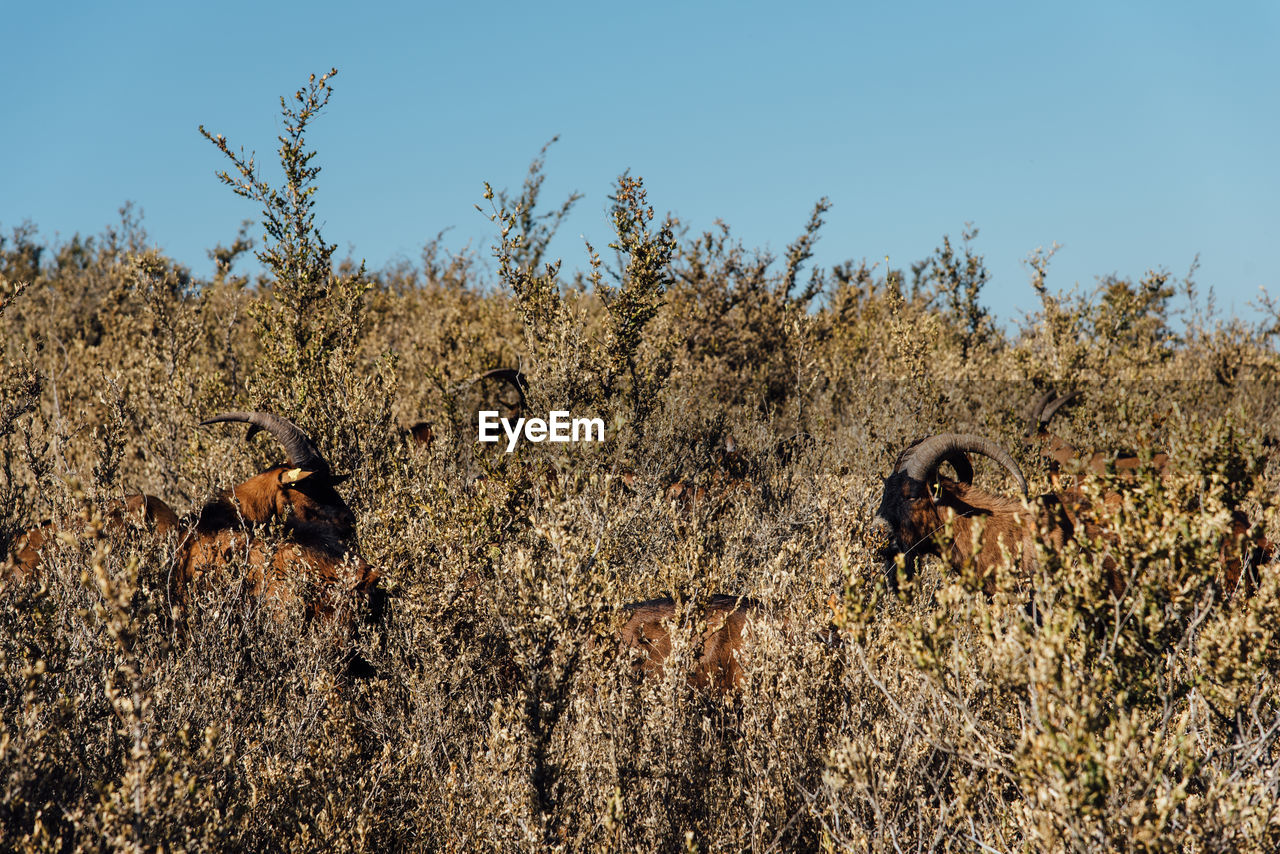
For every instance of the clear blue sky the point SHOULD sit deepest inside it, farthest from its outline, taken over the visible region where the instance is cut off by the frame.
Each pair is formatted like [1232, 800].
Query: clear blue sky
[1135, 134]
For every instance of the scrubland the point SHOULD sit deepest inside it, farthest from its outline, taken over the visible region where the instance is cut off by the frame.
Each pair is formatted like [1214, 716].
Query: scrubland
[501, 714]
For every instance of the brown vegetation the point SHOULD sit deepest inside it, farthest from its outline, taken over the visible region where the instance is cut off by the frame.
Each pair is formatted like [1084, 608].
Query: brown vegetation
[500, 713]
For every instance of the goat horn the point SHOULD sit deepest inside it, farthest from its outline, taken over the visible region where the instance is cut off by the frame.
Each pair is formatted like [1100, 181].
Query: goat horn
[926, 456]
[510, 376]
[1056, 405]
[1035, 415]
[298, 445]
[1040, 413]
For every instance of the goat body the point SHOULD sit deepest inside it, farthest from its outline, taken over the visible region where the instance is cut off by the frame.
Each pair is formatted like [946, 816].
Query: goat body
[1241, 553]
[137, 510]
[727, 625]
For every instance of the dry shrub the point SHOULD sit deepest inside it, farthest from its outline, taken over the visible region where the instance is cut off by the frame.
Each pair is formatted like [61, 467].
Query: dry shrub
[502, 712]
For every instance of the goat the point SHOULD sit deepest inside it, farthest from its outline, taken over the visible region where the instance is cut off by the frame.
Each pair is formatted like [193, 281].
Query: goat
[727, 624]
[727, 619]
[280, 573]
[145, 511]
[319, 547]
[1240, 554]
[1061, 457]
[300, 492]
[918, 502]
[712, 487]
[510, 405]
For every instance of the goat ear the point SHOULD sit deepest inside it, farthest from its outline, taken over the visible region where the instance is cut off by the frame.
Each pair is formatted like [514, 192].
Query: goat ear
[292, 476]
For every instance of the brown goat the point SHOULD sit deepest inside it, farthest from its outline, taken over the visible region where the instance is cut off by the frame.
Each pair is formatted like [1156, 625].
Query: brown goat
[281, 573]
[1062, 458]
[319, 548]
[713, 487]
[316, 557]
[1240, 554]
[727, 620]
[918, 503]
[727, 625]
[145, 511]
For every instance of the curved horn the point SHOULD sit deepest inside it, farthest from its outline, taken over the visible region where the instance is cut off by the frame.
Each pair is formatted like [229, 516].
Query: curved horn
[926, 456]
[1056, 405]
[298, 445]
[511, 377]
[1035, 415]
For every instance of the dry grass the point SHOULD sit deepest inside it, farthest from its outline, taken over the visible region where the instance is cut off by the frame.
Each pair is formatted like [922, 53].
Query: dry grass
[503, 715]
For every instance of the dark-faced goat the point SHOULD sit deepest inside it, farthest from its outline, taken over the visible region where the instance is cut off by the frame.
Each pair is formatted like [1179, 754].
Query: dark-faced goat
[986, 531]
[315, 558]
[501, 389]
[318, 550]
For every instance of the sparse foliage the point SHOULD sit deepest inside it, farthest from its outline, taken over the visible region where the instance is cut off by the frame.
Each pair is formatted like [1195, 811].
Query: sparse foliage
[503, 714]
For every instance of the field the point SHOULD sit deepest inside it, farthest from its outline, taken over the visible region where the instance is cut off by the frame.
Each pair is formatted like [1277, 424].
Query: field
[497, 711]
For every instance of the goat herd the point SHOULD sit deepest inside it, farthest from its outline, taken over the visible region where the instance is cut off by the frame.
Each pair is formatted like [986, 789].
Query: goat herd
[315, 562]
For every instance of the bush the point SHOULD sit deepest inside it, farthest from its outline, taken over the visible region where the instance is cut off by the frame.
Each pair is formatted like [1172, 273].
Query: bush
[502, 712]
